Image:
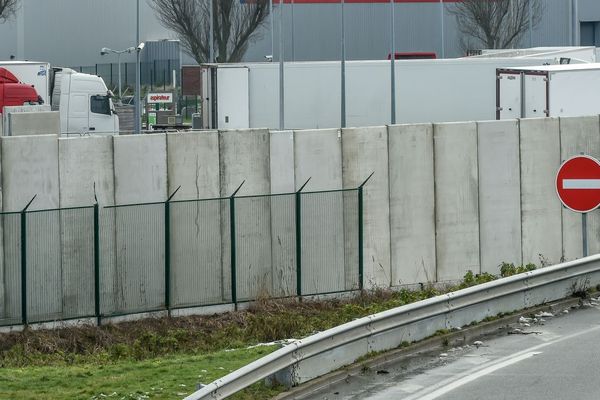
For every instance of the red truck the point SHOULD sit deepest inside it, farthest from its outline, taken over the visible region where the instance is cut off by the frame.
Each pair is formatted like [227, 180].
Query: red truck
[15, 93]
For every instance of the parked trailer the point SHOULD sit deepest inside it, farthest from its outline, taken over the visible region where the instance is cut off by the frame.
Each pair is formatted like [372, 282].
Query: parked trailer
[238, 96]
[548, 91]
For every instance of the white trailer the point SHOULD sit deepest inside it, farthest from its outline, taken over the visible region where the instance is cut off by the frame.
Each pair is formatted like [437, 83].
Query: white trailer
[36, 74]
[238, 96]
[548, 91]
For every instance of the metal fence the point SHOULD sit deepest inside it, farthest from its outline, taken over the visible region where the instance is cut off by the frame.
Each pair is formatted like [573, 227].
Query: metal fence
[156, 75]
[106, 261]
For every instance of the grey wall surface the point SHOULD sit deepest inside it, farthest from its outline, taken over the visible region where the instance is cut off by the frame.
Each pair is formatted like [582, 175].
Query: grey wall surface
[540, 208]
[283, 223]
[32, 123]
[365, 151]
[245, 157]
[456, 199]
[30, 167]
[444, 199]
[140, 177]
[193, 165]
[499, 194]
[418, 28]
[318, 157]
[412, 204]
[86, 172]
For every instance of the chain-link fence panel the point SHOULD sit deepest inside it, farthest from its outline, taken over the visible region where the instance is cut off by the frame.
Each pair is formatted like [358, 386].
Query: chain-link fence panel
[197, 276]
[10, 269]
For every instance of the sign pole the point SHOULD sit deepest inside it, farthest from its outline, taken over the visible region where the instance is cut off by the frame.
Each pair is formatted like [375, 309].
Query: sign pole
[584, 233]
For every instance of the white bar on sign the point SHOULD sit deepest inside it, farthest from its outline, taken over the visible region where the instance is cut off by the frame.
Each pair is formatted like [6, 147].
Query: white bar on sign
[581, 183]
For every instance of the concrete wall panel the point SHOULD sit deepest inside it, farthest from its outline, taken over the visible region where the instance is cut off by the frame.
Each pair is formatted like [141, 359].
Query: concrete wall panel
[244, 156]
[85, 168]
[30, 167]
[193, 164]
[282, 162]
[456, 200]
[579, 135]
[140, 168]
[365, 151]
[283, 223]
[412, 195]
[499, 194]
[34, 123]
[318, 156]
[140, 177]
[540, 208]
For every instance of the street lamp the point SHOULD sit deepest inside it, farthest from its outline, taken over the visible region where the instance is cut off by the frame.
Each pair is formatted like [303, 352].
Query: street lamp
[138, 88]
[106, 50]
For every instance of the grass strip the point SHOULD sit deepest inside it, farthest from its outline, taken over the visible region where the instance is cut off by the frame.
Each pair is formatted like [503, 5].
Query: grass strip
[170, 377]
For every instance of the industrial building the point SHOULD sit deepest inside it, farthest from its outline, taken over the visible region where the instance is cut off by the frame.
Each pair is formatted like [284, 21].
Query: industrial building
[72, 32]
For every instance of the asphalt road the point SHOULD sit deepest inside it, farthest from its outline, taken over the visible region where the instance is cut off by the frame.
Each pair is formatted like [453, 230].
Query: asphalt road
[555, 357]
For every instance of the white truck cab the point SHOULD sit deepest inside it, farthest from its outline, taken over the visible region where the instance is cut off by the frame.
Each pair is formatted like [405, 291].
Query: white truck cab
[85, 104]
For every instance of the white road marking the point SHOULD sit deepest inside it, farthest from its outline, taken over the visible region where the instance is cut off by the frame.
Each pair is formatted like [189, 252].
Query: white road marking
[458, 380]
[476, 375]
[581, 183]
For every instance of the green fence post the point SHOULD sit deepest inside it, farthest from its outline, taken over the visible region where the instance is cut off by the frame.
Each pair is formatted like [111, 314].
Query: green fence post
[97, 263]
[232, 234]
[360, 234]
[299, 241]
[24, 262]
[168, 252]
[360, 239]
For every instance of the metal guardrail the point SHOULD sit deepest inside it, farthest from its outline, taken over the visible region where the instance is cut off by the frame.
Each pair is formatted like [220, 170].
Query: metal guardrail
[327, 351]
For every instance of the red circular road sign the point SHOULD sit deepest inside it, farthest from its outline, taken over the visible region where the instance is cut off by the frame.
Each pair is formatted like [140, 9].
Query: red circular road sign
[578, 183]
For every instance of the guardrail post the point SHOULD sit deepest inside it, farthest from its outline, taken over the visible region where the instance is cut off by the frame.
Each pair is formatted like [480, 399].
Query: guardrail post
[299, 241]
[24, 262]
[168, 251]
[97, 263]
[360, 234]
[232, 240]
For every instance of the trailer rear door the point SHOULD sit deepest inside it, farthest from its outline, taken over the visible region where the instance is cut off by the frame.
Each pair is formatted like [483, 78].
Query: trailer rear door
[536, 95]
[509, 95]
[233, 109]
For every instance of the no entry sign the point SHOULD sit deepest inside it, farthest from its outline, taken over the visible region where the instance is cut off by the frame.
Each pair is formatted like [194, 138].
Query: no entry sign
[578, 183]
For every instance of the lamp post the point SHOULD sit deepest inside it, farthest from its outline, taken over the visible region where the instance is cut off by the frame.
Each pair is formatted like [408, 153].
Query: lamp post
[138, 89]
[106, 50]
[137, 110]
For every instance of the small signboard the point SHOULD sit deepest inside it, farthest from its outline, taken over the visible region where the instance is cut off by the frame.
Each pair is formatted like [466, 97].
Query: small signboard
[159, 98]
[578, 183]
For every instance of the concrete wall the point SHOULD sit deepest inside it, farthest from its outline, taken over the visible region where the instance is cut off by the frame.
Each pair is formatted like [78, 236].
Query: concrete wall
[365, 151]
[32, 123]
[412, 204]
[30, 167]
[318, 156]
[456, 200]
[499, 194]
[244, 157]
[577, 136]
[283, 221]
[541, 221]
[86, 171]
[140, 177]
[444, 199]
[193, 164]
